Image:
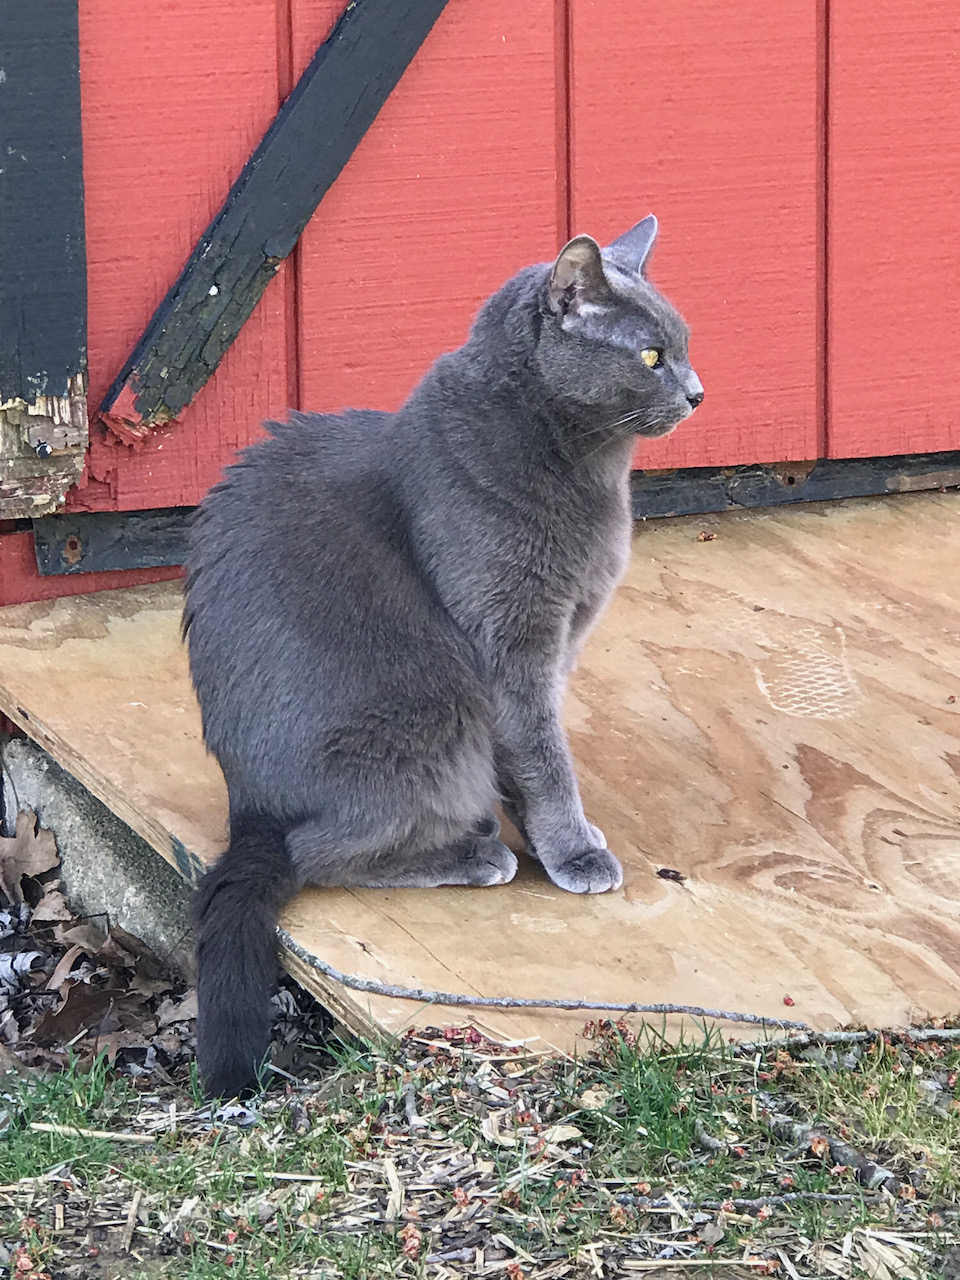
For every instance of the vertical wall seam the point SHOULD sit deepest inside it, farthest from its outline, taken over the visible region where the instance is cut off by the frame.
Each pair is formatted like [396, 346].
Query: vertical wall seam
[564, 111]
[286, 79]
[823, 228]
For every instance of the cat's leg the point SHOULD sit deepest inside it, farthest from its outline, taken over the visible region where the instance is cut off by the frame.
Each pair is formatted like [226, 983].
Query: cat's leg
[535, 772]
[478, 858]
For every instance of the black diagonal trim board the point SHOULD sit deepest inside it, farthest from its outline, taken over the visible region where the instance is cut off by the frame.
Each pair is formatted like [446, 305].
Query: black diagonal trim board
[316, 131]
[43, 267]
[87, 543]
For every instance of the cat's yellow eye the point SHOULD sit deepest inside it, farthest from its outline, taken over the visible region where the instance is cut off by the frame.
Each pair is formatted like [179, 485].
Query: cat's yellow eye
[650, 357]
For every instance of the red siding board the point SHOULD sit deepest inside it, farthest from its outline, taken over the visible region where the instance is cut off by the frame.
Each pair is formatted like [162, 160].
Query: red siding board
[708, 118]
[174, 101]
[894, 222]
[451, 191]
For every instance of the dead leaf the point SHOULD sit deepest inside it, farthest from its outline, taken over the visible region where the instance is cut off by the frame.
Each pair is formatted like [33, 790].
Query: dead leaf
[177, 1010]
[12, 966]
[52, 906]
[490, 1128]
[596, 1097]
[83, 1007]
[561, 1133]
[64, 965]
[31, 852]
[87, 934]
[710, 1233]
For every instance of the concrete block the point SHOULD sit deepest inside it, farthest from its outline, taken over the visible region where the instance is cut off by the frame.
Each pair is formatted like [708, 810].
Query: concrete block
[106, 867]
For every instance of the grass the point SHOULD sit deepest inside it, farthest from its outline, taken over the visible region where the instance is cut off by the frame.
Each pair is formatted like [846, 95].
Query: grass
[646, 1150]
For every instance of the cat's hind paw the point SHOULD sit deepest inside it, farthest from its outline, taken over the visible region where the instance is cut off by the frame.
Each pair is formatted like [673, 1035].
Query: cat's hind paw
[484, 862]
[588, 871]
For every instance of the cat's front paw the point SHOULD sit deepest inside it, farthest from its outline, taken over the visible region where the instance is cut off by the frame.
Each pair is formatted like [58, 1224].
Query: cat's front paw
[589, 871]
[597, 839]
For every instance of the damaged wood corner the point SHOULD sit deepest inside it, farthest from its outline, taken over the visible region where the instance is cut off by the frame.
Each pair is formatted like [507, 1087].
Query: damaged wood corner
[43, 444]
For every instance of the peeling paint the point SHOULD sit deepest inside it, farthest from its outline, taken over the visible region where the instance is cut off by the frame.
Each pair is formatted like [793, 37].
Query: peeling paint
[42, 448]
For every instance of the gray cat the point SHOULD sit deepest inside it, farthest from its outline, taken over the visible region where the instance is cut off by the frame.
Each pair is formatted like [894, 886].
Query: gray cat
[382, 609]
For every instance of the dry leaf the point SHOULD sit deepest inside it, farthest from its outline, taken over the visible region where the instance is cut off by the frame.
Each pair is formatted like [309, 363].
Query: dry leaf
[52, 906]
[15, 964]
[64, 965]
[490, 1128]
[31, 852]
[83, 1007]
[177, 1010]
[595, 1098]
[710, 1233]
[561, 1133]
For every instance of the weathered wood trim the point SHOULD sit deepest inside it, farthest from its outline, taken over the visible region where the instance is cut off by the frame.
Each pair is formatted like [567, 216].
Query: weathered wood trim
[89, 542]
[313, 136]
[702, 489]
[94, 542]
[43, 280]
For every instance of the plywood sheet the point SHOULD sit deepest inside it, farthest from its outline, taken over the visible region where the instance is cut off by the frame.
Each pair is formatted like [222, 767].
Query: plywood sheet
[708, 115]
[775, 713]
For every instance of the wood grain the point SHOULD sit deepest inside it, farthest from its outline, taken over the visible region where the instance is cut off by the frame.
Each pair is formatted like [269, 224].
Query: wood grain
[894, 209]
[708, 118]
[771, 713]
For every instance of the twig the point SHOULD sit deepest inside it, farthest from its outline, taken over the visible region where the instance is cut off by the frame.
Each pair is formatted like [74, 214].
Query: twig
[69, 1131]
[813, 1038]
[126, 1240]
[414, 1121]
[372, 986]
[664, 1264]
[790, 1197]
[872, 1175]
[707, 1140]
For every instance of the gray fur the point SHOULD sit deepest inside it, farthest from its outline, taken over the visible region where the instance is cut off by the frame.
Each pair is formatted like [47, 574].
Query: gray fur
[382, 608]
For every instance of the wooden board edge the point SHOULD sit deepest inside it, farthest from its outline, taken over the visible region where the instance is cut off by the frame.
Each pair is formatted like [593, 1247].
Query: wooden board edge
[108, 541]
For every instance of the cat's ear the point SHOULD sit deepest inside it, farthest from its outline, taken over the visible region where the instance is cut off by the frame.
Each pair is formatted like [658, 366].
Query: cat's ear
[632, 250]
[577, 277]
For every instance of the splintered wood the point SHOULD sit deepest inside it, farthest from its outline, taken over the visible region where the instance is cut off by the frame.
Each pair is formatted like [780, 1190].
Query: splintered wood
[771, 716]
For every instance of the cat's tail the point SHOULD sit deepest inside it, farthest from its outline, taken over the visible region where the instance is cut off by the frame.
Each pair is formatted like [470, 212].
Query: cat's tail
[237, 906]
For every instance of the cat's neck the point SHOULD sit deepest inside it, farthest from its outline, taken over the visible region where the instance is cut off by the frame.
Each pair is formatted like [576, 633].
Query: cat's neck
[513, 417]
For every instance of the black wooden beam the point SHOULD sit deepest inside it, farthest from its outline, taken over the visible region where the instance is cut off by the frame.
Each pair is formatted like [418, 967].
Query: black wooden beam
[701, 489]
[87, 543]
[315, 133]
[90, 542]
[43, 268]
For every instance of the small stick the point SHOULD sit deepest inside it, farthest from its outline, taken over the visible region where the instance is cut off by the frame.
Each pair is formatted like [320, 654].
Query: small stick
[657, 1264]
[126, 1240]
[372, 986]
[414, 1121]
[68, 1131]
[813, 1038]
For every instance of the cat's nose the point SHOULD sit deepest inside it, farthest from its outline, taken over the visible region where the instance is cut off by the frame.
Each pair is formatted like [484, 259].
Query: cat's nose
[695, 399]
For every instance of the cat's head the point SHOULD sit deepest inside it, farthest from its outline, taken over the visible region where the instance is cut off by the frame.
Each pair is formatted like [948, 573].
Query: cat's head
[610, 341]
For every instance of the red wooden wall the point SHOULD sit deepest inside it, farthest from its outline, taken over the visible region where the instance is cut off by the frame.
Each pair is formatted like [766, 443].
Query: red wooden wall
[894, 229]
[706, 112]
[808, 192]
